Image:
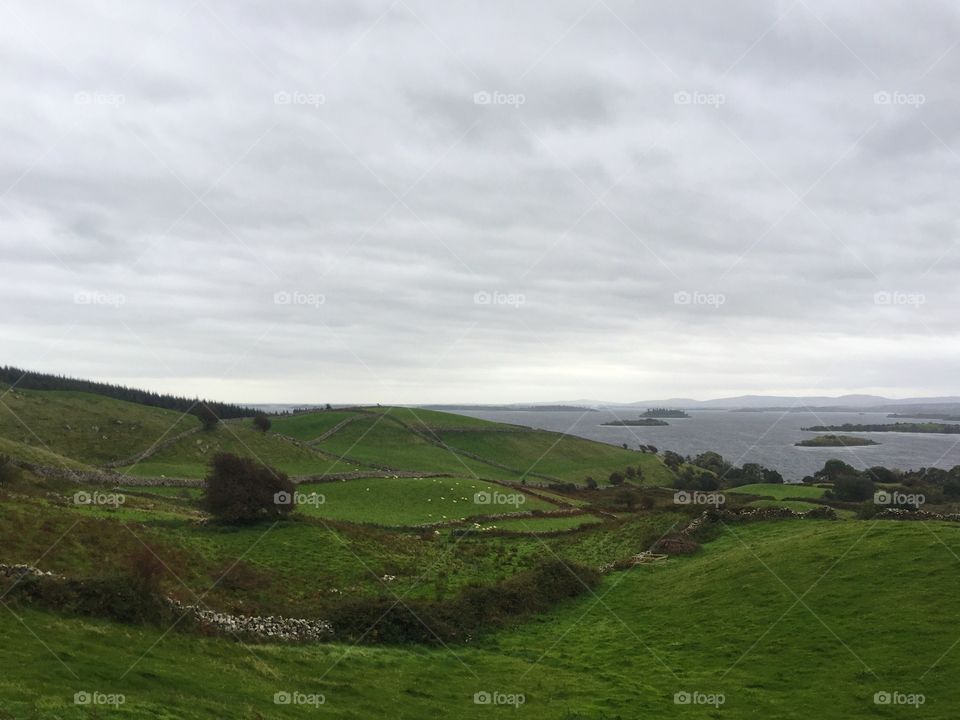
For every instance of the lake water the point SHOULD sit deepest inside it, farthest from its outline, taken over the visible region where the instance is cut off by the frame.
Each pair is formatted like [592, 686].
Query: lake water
[763, 437]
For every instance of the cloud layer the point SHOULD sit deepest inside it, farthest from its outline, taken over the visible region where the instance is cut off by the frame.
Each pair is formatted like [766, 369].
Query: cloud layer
[433, 202]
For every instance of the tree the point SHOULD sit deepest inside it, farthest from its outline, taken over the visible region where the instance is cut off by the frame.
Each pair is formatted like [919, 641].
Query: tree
[8, 471]
[616, 478]
[833, 469]
[242, 490]
[672, 460]
[591, 483]
[262, 423]
[853, 488]
[206, 416]
[631, 473]
[772, 476]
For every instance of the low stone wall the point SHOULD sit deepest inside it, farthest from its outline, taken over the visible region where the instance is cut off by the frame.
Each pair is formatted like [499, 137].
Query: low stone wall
[254, 626]
[709, 517]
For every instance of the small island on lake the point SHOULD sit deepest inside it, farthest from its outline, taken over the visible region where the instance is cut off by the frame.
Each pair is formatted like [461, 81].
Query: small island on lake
[925, 427]
[836, 441]
[642, 422]
[664, 413]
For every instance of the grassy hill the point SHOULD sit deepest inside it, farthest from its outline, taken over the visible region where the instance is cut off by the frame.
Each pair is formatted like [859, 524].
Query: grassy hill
[87, 428]
[724, 621]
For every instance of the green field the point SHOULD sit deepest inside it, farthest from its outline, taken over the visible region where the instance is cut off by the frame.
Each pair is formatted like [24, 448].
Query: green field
[379, 440]
[412, 501]
[88, 428]
[725, 621]
[779, 491]
[189, 457]
[310, 426]
[564, 457]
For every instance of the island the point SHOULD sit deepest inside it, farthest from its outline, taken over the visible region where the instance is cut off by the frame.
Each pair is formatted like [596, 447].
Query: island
[926, 427]
[836, 441]
[664, 413]
[642, 422]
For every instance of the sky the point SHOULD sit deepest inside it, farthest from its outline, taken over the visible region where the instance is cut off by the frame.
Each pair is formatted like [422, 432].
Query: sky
[425, 202]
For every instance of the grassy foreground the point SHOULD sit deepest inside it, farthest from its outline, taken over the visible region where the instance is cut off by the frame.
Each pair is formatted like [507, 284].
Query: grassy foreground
[781, 619]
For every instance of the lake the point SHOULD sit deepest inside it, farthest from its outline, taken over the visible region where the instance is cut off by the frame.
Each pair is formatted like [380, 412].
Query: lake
[766, 437]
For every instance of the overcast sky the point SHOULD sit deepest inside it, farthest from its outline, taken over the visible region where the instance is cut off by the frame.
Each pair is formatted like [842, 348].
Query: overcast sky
[416, 201]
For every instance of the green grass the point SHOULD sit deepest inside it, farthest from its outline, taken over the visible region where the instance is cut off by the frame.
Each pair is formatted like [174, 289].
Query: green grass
[38, 455]
[378, 440]
[795, 505]
[190, 457]
[725, 620]
[779, 491]
[542, 524]
[565, 457]
[427, 419]
[411, 501]
[310, 426]
[88, 428]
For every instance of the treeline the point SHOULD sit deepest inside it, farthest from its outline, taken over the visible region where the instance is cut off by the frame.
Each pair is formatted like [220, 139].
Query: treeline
[28, 380]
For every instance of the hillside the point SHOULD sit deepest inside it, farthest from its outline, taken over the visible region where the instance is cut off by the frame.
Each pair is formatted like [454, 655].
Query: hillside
[727, 621]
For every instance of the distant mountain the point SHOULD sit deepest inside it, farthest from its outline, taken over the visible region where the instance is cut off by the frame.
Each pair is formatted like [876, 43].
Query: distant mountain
[780, 402]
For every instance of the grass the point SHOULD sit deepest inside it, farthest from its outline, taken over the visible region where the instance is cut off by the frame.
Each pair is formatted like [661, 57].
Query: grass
[542, 524]
[378, 440]
[564, 457]
[411, 501]
[88, 428]
[723, 621]
[190, 457]
[39, 455]
[779, 491]
[434, 419]
[310, 426]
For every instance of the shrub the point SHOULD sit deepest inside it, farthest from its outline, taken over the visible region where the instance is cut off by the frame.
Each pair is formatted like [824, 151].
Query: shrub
[262, 423]
[242, 490]
[591, 483]
[616, 478]
[853, 488]
[8, 471]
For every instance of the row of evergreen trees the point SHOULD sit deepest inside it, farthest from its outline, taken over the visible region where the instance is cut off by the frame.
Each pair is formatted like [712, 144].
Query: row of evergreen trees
[28, 380]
